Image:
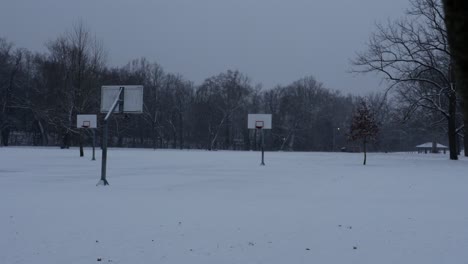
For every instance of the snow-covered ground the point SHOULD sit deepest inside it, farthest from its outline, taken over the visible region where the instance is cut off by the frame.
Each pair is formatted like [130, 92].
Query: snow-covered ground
[222, 207]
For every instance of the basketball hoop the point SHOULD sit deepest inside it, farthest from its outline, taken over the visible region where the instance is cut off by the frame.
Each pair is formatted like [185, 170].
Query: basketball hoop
[258, 124]
[86, 124]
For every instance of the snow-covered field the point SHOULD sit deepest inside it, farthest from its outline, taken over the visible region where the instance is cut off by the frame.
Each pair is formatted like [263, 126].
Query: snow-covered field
[222, 207]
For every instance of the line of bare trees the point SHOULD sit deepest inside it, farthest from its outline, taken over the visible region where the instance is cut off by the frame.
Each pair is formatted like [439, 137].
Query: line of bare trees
[41, 94]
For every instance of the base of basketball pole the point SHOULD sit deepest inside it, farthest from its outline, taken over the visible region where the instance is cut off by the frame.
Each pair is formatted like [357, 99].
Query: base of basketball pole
[263, 153]
[102, 182]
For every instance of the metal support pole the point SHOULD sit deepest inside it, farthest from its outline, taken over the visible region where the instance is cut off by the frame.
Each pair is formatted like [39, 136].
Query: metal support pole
[263, 149]
[104, 155]
[94, 144]
[117, 101]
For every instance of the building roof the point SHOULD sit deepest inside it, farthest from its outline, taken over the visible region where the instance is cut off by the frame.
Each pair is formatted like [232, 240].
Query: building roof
[429, 145]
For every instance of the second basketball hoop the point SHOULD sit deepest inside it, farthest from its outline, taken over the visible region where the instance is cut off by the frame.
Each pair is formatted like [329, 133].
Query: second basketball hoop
[259, 122]
[86, 121]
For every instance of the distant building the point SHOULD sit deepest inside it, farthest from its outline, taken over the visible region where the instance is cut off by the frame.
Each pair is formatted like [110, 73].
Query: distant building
[427, 148]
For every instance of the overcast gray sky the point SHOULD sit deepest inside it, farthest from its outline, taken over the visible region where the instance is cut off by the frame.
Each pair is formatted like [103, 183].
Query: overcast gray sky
[272, 41]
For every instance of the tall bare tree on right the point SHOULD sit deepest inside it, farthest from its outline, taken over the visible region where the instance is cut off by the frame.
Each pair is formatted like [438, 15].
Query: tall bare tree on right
[413, 55]
[456, 21]
[364, 127]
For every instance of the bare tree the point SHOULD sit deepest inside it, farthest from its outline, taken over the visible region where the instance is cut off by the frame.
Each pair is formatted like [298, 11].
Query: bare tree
[178, 97]
[306, 109]
[152, 101]
[10, 67]
[456, 21]
[413, 54]
[219, 98]
[80, 59]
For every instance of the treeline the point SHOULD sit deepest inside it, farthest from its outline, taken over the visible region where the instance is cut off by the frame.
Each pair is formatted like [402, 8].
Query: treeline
[41, 94]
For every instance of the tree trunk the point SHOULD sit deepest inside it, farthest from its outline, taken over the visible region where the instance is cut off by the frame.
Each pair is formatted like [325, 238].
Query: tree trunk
[465, 134]
[155, 136]
[214, 136]
[174, 136]
[66, 140]
[5, 136]
[291, 142]
[181, 131]
[452, 130]
[68, 134]
[213, 141]
[246, 135]
[44, 138]
[210, 136]
[284, 139]
[227, 139]
[174, 133]
[365, 152]
[456, 22]
[120, 141]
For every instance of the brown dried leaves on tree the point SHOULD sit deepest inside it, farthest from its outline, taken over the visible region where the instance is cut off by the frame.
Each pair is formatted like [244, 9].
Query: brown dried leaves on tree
[364, 127]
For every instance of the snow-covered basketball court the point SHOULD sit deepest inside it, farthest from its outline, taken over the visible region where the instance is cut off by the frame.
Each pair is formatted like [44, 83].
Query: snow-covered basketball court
[169, 206]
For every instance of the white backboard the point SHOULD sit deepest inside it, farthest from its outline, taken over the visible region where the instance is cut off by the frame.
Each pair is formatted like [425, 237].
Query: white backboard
[132, 97]
[86, 121]
[255, 120]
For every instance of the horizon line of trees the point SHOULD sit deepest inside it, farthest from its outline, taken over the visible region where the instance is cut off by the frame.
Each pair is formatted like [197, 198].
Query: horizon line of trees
[41, 94]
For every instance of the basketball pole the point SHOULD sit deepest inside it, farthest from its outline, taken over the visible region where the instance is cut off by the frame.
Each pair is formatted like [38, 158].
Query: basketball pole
[259, 122]
[117, 101]
[94, 143]
[263, 148]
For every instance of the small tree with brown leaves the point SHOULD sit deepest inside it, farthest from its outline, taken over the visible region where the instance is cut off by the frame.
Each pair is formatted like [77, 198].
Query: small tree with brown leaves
[364, 127]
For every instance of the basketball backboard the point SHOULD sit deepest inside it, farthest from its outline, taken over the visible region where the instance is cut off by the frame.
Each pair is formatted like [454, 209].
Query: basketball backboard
[86, 121]
[259, 121]
[132, 98]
